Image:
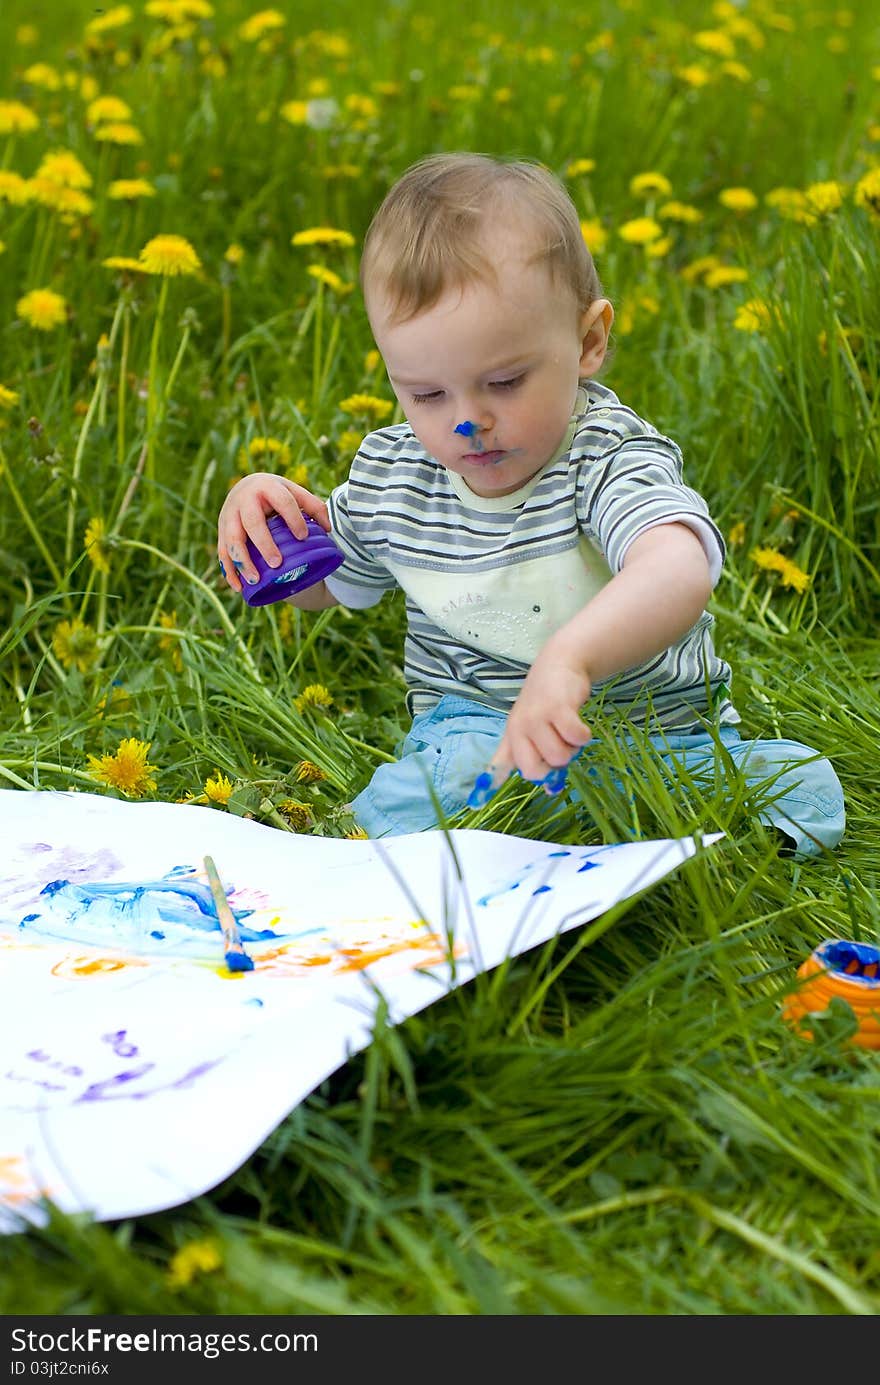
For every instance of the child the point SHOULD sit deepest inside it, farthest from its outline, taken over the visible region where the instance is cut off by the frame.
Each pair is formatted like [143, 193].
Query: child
[540, 530]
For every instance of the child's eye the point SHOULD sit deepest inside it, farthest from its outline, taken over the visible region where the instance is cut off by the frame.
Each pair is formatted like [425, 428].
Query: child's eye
[427, 398]
[510, 384]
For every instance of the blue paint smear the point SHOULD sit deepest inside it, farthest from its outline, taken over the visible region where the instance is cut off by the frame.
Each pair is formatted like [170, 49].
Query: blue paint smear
[171, 915]
[467, 429]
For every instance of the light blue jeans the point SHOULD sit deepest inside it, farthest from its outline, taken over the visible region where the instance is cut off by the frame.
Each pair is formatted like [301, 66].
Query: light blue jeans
[453, 742]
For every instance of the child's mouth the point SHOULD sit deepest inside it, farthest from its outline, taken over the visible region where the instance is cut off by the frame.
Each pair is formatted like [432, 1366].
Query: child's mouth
[483, 458]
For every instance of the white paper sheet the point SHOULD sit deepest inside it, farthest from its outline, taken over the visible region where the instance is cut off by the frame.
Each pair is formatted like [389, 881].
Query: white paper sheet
[137, 1071]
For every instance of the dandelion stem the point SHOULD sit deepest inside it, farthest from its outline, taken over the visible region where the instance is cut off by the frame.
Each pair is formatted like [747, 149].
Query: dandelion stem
[154, 397]
[121, 388]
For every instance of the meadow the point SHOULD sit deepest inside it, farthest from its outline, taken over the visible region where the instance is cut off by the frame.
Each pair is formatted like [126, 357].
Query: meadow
[624, 1126]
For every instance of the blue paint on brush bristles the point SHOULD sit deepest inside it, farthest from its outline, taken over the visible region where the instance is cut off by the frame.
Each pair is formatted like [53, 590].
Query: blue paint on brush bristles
[235, 956]
[467, 429]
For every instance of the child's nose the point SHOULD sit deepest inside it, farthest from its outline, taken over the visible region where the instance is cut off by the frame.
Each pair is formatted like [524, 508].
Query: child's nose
[479, 419]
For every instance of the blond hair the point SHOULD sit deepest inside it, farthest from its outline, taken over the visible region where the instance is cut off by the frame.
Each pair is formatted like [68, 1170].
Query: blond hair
[433, 230]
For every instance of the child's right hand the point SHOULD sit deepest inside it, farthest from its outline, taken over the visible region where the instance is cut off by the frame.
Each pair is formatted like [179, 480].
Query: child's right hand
[243, 516]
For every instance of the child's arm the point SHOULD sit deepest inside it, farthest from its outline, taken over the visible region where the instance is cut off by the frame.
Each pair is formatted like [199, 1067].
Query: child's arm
[243, 516]
[659, 594]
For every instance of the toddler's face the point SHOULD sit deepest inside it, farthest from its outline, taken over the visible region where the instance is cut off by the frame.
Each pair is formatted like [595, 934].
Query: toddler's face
[503, 358]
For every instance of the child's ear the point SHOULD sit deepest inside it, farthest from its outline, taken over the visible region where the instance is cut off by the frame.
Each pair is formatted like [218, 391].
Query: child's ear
[595, 329]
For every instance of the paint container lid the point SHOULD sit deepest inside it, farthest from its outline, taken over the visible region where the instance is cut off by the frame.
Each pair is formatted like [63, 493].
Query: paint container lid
[303, 562]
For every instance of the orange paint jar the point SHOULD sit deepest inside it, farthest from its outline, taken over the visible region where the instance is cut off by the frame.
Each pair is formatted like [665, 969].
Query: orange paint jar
[839, 968]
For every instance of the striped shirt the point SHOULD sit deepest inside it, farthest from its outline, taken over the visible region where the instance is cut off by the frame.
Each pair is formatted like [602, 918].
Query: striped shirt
[488, 580]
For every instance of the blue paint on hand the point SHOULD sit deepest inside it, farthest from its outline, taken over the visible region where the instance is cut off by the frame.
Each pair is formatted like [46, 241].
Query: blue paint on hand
[467, 429]
[482, 791]
[222, 568]
[485, 787]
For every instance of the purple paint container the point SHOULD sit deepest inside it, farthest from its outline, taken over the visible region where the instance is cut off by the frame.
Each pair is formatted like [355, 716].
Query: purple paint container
[303, 563]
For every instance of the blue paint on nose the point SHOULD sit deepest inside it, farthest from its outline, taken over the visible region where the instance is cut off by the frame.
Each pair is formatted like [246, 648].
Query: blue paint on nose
[467, 429]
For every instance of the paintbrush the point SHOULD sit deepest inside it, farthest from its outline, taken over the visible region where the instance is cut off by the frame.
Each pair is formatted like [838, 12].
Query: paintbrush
[236, 957]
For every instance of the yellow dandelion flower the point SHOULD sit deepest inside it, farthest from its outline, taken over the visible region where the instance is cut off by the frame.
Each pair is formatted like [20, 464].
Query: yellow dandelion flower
[336, 171]
[218, 789]
[316, 696]
[307, 772]
[789, 202]
[738, 199]
[725, 274]
[680, 211]
[125, 263]
[790, 575]
[658, 248]
[372, 360]
[367, 406]
[17, 119]
[295, 112]
[594, 234]
[170, 643]
[113, 18]
[754, 316]
[298, 474]
[824, 198]
[360, 105]
[650, 185]
[13, 188]
[119, 132]
[299, 815]
[356, 834]
[42, 75]
[640, 231]
[75, 644]
[738, 71]
[867, 191]
[579, 167]
[96, 546]
[126, 769]
[27, 35]
[259, 24]
[348, 442]
[740, 26]
[67, 201]
[186, 1264]
[169, 255]
[737, 535]
[129, 189]
[8, 397]
[332, 281]
[262, 449]
[465, 92]
[234, 253]
[62, 166]
[42, 309]
[323, 235]
[107, 108]
[694, 75]
[716, 42]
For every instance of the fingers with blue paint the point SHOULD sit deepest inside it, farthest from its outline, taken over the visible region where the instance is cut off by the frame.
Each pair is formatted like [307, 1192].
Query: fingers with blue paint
[484, 789]
[554, 782]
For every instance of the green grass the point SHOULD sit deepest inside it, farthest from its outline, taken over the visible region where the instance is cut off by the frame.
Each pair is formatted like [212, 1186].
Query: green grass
[619, 1122]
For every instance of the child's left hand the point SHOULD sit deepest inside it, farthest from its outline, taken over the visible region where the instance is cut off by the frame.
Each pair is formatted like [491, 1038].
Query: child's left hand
[544, 729]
